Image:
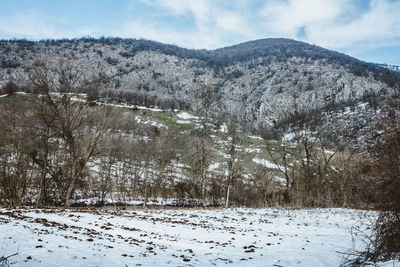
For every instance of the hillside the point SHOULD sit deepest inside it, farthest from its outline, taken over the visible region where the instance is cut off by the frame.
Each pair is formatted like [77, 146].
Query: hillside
[80, 135]
[147, 156]
[265, 83]
[117, 174]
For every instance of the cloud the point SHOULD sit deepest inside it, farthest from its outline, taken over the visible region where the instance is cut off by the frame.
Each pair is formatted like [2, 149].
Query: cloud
[206, 24]
[136, 29]
[34, 25]
[376, 27]
[335, 24]
[26, 24]
[235, 24]
[287, 17]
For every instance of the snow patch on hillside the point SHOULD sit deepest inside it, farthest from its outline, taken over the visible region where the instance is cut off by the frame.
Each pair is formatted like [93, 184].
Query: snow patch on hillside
[186, 116]
[267, 163]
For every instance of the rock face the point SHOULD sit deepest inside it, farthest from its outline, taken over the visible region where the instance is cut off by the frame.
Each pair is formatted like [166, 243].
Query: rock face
[262, 82]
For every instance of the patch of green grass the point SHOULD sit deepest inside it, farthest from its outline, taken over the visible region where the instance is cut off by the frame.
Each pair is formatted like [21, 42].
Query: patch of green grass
[166, 118]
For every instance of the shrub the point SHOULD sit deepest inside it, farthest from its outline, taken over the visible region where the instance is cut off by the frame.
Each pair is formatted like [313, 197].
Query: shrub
[10, 88]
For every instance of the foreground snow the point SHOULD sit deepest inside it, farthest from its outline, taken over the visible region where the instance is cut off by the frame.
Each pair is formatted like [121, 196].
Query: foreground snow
[238, 237]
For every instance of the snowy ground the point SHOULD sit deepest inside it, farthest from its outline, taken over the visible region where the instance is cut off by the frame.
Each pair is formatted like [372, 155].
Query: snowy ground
[177, 237]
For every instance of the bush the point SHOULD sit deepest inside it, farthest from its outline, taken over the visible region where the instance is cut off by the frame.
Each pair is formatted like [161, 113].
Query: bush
[10, 88]
[383, 244]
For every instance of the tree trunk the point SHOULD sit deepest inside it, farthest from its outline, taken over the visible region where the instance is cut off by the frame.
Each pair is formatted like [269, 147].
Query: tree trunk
[203, 196]
[227, 195]
[145, 195]
[68, 194]
[75, 174]
[42, 180]
[41, 185]
[145, 182]
[203, 191]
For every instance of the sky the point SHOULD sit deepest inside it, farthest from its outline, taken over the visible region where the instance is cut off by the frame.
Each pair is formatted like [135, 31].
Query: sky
[366, 29]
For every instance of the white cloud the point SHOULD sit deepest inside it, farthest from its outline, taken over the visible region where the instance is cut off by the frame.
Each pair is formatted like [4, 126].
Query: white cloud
[234, 23]
[26, 24]
[34, 25]
[287, 17]
[213, 24]
[377, 27]
[136, 29]
[335, 24]
[200, 9]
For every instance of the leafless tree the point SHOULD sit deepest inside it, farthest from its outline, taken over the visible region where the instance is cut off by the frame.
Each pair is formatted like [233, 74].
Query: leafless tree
[10, 88]
[16, 174]
[382, 243]
[59, 85]
[233, 170]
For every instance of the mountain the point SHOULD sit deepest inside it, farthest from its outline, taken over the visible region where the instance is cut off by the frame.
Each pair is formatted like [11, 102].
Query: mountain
[269, 85]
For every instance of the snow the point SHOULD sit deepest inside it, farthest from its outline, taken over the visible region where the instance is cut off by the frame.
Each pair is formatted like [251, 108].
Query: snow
[146, 108]
[280, 180]
[252, 150]
[183, 122]
[363, 105]
[130, 106]
[347, 111]
[223, 154]
[223, 128]
[214, 166]
[177, 237]
[3, 96]
[186, 116]
[288, 137]
[21, 93]
[267, 163]
[255, 137]
[141, 120]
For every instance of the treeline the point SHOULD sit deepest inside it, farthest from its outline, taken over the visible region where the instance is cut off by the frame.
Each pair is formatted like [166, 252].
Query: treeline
[139, 98]
[104, 154]
[55, 151]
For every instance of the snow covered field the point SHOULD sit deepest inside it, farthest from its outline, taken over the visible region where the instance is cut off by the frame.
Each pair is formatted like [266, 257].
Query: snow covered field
[177, 237]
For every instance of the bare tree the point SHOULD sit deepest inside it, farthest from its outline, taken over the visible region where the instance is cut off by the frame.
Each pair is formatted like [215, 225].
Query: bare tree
[233, 170]
[150, 149]
[199, 159]
[205, 99]
[15, 164]
[59, 85]
[10, 88]
[306, 166]
[382, 242]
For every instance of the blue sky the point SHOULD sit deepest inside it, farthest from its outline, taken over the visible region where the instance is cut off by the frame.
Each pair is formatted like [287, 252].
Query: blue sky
[366, 29]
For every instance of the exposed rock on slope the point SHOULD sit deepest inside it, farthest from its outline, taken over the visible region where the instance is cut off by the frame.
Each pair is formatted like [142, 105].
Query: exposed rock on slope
[261, 82]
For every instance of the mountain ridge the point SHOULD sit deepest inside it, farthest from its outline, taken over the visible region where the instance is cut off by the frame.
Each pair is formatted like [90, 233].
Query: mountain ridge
[262, 83]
